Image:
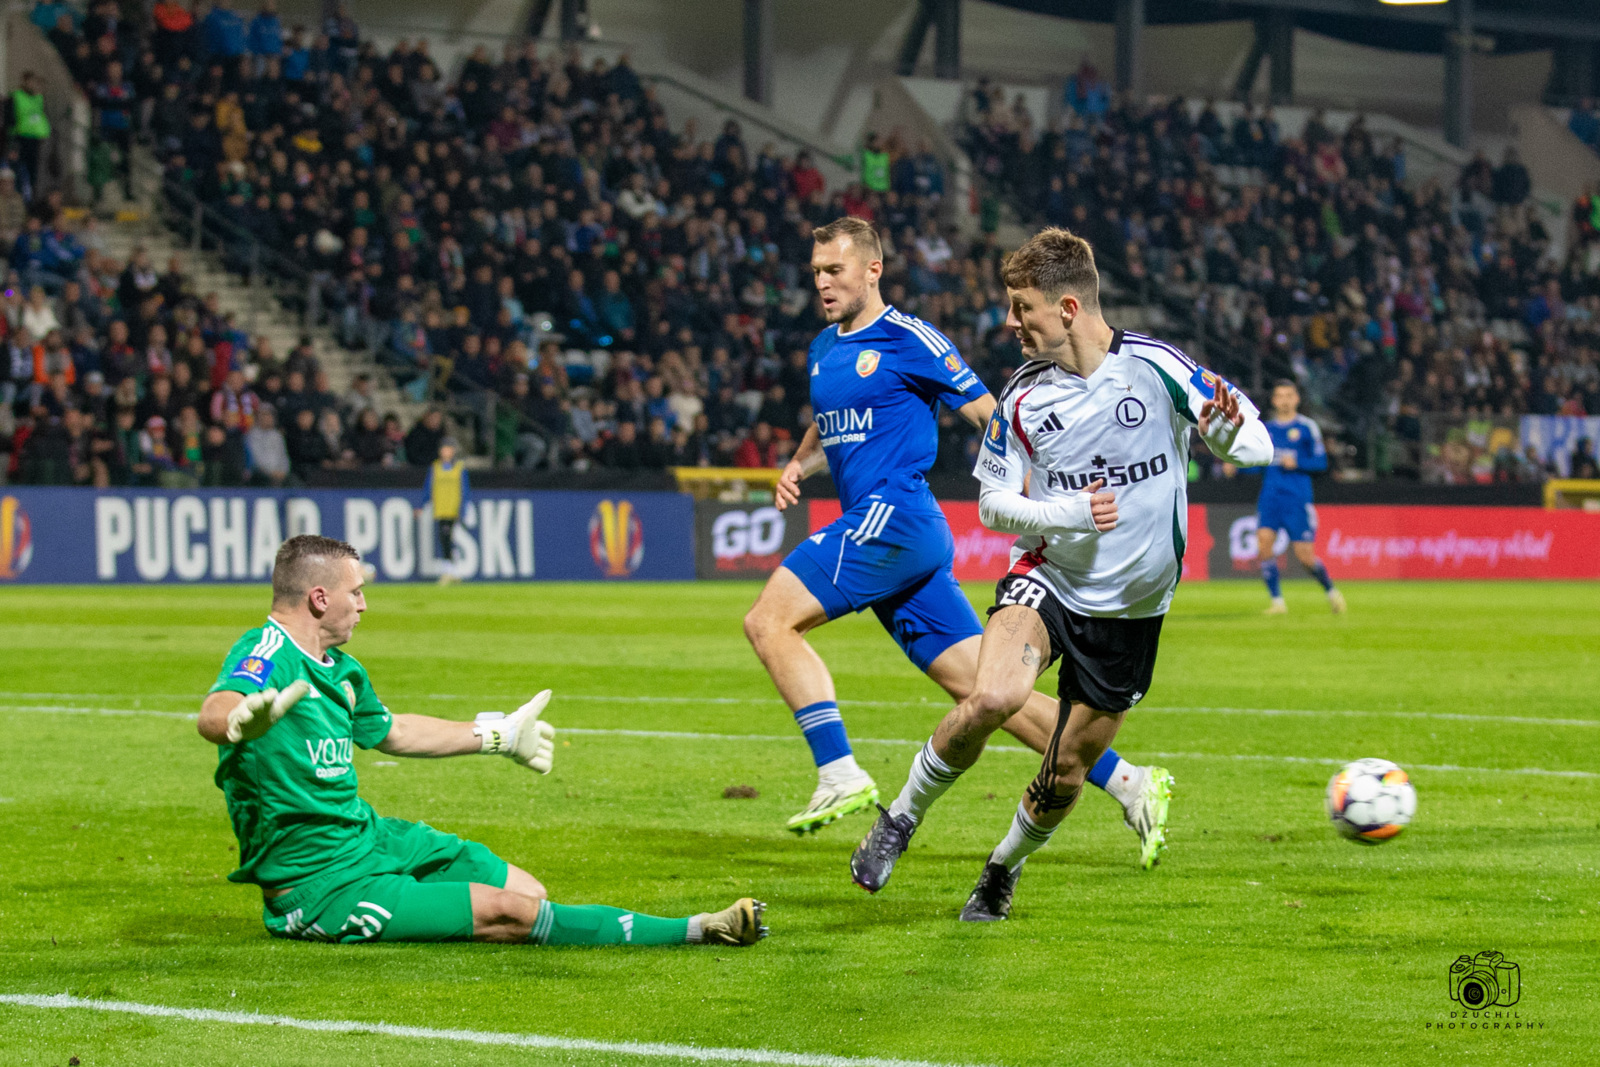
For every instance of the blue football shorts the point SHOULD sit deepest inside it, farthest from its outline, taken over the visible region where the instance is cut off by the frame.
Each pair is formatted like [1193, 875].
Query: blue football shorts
[892, 553]
[1297, 518]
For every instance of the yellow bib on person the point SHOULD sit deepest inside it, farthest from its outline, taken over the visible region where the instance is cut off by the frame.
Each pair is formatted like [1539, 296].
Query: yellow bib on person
[446, 482]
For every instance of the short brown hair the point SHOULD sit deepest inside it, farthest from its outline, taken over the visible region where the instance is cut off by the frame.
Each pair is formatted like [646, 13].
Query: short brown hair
[305, 562]
[863, 238]
[1055, 261]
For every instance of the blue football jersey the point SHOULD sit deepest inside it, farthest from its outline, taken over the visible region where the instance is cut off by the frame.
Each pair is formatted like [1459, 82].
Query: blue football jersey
[876, 393]
[1302, 437]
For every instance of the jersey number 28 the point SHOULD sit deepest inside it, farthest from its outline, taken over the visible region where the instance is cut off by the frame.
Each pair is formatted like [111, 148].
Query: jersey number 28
[1023, 594]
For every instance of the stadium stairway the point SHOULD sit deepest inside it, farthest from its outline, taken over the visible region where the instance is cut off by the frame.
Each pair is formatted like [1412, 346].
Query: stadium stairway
[1556, 160]
[686, 96]
[126, 225]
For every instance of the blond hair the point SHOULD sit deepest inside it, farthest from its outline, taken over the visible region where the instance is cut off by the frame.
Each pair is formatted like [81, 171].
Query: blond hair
[863, 238]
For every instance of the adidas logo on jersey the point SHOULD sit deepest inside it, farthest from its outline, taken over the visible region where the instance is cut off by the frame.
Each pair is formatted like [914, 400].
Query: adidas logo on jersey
[1050, 425]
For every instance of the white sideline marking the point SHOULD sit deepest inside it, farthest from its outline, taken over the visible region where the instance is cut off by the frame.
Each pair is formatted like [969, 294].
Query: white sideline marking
[1448, 767]
[1444, 716]
[686, 735]
[771, 702]
[73, 709]
[656, 1049]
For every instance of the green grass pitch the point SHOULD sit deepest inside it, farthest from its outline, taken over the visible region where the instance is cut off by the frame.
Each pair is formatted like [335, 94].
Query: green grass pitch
[1264, 938]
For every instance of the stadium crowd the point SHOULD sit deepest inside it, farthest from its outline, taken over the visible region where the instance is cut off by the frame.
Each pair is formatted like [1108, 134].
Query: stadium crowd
[121, 374]
[1315, 258]
[531, 242]
[533, 246]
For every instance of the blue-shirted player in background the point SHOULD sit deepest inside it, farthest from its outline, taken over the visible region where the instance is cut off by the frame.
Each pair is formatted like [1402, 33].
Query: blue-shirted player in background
[1285, 502]
[878, 377]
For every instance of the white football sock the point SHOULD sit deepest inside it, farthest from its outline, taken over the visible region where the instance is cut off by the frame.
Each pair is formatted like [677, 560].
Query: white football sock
[1023, 839]
[842, 771]
[930, 777]
[1126, 782]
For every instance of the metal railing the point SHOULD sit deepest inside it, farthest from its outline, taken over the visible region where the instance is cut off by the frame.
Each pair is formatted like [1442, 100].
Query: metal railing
[749, 116]
[268, 274]
[449, 48]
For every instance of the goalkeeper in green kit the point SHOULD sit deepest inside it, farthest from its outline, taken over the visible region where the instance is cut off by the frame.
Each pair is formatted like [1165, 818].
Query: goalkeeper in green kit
[286, 712]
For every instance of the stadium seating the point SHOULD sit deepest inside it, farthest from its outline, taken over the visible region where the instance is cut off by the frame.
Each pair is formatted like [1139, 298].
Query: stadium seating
[534, 247]
[1308, 254]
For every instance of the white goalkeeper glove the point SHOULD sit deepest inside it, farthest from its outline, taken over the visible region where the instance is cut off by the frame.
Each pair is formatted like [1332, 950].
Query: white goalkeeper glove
[522, 735]
[259, 712]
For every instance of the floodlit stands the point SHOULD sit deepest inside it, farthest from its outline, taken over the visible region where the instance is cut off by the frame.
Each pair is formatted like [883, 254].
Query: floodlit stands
[532, 245]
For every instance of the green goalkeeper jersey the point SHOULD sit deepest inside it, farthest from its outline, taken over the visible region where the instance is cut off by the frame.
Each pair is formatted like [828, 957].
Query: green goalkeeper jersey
[292, 792]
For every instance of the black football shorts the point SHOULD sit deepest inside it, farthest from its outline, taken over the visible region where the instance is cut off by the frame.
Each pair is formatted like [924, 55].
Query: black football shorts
[1105, 663]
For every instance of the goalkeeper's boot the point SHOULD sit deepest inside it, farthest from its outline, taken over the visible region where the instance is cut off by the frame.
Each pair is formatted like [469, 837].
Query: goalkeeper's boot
[832, 801]
[1277, 607]
[991, 897]
[875, 857]
[1336, 602]
[1147, 815]
[737, 924]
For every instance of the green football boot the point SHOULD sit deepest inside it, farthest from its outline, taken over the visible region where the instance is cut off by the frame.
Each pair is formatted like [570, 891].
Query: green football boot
[832, 802]
[1147, 816]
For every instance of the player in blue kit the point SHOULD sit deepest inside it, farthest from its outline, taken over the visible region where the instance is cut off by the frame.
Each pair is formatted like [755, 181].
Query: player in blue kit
[1285, 501]
[878, 377]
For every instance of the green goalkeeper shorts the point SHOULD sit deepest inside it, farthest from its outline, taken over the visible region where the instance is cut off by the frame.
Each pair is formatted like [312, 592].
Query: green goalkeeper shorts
[412, 887]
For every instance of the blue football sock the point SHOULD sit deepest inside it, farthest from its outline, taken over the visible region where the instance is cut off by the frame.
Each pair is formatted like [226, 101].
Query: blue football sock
[1269, 574]
[1320, 573]
[1100, 773]
[824, 731]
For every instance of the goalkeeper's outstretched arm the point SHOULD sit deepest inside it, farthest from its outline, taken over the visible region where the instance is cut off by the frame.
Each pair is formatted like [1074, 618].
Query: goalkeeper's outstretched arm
[425, 737]
[227, 718]
[521, 736]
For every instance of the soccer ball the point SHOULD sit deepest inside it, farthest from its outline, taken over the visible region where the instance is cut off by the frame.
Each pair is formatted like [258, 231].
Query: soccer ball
[1371, 800]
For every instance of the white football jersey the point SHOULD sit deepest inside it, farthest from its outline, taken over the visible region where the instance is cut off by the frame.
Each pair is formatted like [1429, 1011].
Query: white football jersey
[1128, 424]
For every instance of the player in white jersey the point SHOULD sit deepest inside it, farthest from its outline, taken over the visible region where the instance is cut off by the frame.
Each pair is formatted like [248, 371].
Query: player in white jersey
[1086, 459]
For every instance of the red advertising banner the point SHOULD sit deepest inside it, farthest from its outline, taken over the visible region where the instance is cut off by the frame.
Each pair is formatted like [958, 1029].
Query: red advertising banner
[1419, 542]
[982, 554]
[1356, 541]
